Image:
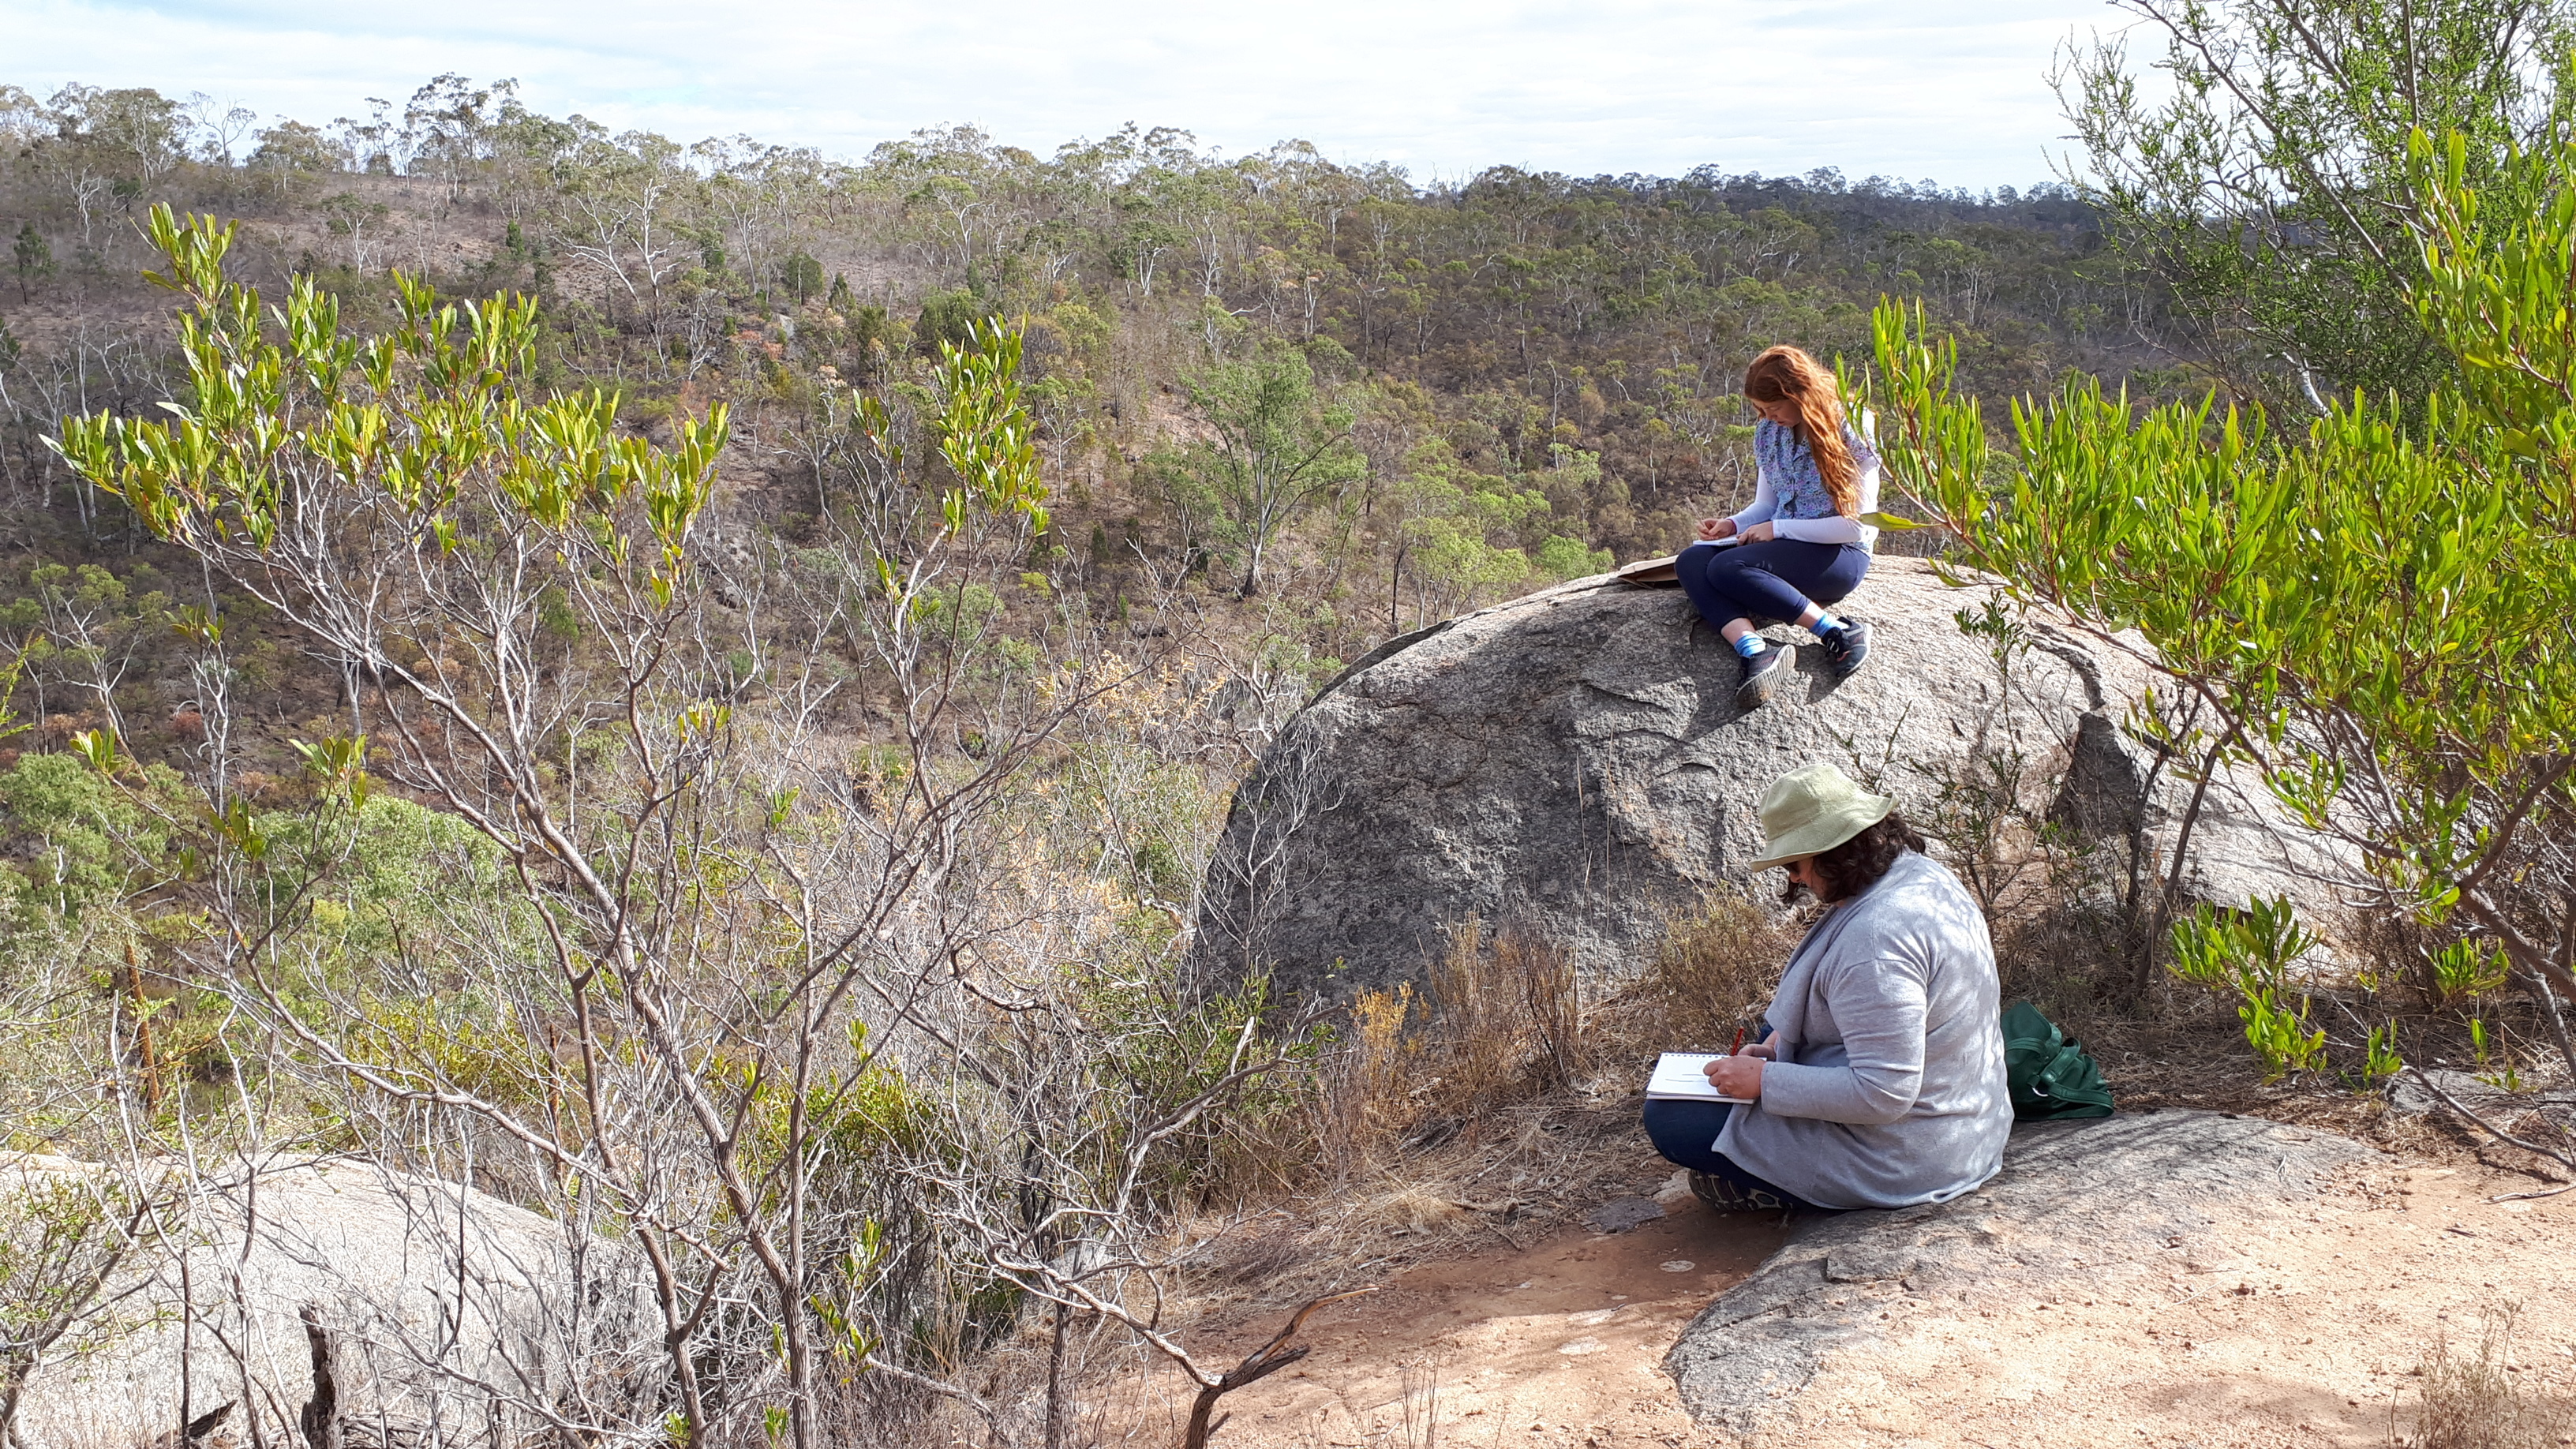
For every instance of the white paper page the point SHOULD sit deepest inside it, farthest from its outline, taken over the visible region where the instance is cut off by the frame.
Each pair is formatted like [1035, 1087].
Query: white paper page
[1680, 1075]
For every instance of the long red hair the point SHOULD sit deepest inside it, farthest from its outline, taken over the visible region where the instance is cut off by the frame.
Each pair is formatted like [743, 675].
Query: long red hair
[1786, 374]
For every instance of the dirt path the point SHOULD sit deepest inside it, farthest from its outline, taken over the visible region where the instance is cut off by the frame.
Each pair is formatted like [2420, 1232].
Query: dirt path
[2301, 1335]
[1554, 1344]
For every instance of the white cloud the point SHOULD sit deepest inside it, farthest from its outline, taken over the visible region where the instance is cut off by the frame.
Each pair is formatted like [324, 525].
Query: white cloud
[1947, 89]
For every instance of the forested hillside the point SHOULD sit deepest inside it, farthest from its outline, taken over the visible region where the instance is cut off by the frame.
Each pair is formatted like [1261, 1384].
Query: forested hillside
[1469, 390]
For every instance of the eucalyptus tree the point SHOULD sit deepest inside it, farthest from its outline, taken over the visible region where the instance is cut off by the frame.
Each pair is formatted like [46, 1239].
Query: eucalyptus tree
[449, 128]
[141, 134]
[625, 211]
[762, 198]
[2263, 181]
[1279, 447]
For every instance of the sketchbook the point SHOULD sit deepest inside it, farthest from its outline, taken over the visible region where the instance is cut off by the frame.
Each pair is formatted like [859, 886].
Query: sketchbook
[1678, 1077]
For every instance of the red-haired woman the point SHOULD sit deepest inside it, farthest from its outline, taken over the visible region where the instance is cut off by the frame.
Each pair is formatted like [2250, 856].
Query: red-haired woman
[1802, 545]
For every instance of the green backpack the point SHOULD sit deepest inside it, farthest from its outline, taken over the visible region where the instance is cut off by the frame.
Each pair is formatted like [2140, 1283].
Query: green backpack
[2050, 1076]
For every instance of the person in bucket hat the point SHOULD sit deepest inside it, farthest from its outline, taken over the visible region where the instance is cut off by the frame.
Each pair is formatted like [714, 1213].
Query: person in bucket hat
[1879, 1079]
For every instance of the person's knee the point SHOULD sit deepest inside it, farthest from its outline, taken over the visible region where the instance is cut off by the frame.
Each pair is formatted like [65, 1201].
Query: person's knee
[1731, 565]
[1840, 581]
[1684, 1133]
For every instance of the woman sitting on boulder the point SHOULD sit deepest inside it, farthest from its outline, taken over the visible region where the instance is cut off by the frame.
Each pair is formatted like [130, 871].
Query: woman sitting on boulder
[1879, 1080]
[1802, 545]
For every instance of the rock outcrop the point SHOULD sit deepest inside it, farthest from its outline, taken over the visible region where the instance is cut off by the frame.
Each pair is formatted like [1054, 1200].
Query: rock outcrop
[2107, 1207]
[1574, 762]
[338, 1300]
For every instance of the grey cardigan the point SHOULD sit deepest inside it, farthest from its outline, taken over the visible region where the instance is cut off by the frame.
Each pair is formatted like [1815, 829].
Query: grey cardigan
[1889, 1085]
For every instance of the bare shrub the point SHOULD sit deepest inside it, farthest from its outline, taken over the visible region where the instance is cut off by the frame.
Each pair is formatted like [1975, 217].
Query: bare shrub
[2471, 1401]
[1551, 1003]
[1421, 1404]
[2064, 956]
[1713, 972]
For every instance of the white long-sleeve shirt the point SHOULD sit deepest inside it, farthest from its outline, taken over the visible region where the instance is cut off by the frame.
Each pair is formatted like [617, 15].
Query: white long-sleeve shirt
[1832, 527]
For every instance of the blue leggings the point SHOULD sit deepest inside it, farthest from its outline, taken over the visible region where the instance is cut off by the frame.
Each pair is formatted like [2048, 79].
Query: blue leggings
[1774, 579]
[1686, 1134]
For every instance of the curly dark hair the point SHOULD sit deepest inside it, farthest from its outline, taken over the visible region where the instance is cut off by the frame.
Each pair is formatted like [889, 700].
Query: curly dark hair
[1856, 864]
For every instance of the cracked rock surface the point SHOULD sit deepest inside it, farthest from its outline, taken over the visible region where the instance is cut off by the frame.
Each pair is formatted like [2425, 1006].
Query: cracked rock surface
[2101, 1205]
[1573, 762]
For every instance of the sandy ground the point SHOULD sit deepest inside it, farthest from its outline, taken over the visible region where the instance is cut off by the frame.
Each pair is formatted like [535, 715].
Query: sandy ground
[1554, 1344]
[2309, 1333]
[2305, 1333]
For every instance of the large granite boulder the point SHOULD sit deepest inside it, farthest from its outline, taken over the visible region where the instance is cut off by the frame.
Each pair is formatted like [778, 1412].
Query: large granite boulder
[335, 1305]
[1573, 762]
[2109, 1207]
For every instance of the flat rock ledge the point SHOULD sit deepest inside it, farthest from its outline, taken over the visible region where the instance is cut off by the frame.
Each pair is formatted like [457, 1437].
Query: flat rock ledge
[2101, 1202]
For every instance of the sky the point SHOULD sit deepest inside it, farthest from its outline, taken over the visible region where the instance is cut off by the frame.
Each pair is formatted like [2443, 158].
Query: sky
[1953, 91]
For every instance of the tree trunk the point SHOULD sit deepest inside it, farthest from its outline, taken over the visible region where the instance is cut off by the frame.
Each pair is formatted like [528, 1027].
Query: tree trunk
[320, 1420]
[2172, 893]
[1058, 1412]
[1251, 573]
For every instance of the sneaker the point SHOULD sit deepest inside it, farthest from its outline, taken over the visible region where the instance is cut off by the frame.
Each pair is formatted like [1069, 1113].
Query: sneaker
[1762, 675]
[1846, 647]
[1723, 1196]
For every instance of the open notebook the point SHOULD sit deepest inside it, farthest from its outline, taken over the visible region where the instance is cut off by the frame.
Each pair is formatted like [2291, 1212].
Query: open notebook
[1678, 1077]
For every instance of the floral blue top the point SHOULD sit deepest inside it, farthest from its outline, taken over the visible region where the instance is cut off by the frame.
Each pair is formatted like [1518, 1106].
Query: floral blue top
[1797, 487]
[1791, 495]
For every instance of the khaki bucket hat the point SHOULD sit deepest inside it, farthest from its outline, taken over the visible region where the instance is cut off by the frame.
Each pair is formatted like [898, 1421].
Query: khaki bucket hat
[1812, 809]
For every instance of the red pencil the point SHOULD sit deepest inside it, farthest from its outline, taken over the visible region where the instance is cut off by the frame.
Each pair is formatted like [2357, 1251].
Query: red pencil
[1739, 1042]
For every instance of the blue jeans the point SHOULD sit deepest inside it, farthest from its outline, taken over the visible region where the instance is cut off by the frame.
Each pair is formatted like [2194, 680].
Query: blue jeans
[1775, 579]
[1686, 1134]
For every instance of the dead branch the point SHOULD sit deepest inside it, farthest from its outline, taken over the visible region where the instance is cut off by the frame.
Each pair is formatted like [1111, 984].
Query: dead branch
[1264, 1361]
[2563, 1159]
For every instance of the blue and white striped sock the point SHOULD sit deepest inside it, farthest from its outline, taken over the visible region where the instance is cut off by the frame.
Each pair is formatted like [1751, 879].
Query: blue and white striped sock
[1750, 645]
[1825, 624]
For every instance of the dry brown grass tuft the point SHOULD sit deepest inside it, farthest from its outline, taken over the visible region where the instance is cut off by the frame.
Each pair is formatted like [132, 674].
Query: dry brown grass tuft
[1500, 1020]
[1506, 1019]
[2472, 1402]
[1420, 1208]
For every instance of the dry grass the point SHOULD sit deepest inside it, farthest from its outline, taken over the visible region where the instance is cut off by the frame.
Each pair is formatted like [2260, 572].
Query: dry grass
[1484, 1059]
[1504, 1019]
[1712, 975]
[2471, 1401]
[1421, 1209]
[1501, 1020]
[1507, 1018]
